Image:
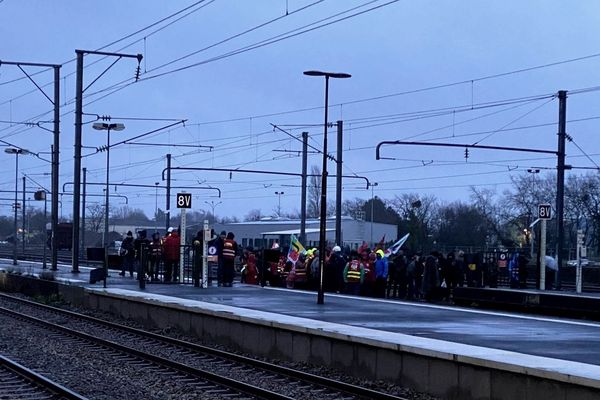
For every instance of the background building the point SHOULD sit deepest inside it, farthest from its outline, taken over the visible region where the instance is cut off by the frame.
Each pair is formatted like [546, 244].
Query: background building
[265, 232]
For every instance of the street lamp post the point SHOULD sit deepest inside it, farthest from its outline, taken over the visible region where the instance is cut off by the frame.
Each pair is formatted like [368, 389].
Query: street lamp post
[42, 195]
[103, 126]
[213, 205]
[279, 194]
[16, 152]
[323, 222]
[533, 172]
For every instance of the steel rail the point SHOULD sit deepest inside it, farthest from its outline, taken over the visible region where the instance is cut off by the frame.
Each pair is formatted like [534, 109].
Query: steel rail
[231, 384]
[34, 381]
[343, 387]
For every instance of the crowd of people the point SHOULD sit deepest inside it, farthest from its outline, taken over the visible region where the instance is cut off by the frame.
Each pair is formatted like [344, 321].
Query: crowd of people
[159, 256]
[364, 271]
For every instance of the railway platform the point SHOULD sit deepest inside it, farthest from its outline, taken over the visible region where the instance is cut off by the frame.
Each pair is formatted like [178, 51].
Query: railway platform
[449, 351]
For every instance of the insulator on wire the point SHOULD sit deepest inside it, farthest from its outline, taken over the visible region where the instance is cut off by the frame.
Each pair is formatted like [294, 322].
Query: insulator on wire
[138, 71]
[466, 153]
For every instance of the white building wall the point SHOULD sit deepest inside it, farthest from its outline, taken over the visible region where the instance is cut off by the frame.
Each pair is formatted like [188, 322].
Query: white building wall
[354, 232]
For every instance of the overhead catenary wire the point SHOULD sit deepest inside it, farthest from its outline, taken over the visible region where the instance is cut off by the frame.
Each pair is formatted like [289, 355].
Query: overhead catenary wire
[120, 39]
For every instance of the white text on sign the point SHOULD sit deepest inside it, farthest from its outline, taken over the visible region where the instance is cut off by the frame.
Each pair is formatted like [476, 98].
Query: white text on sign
[544, 211]
[184, 200]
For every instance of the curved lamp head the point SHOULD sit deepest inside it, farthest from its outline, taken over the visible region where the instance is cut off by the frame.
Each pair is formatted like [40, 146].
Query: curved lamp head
[14, 150]
[103, 126]
[328, 74]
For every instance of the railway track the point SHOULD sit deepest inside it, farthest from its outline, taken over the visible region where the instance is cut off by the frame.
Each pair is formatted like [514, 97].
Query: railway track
[18, 382]
[201, 366]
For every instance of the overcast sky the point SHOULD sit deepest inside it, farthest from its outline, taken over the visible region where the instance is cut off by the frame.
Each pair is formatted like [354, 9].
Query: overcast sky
[444, 71]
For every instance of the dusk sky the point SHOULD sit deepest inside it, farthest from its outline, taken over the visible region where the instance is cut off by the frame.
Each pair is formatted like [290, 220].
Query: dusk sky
[443, 71]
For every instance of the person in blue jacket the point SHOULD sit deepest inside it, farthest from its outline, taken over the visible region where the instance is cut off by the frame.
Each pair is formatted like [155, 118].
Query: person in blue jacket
[381, 273]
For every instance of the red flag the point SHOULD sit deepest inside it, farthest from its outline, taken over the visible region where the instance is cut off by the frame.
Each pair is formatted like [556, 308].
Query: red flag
[363, 247]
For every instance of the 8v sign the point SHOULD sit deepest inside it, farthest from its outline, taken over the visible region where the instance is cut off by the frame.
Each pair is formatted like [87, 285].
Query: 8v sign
[184, 200]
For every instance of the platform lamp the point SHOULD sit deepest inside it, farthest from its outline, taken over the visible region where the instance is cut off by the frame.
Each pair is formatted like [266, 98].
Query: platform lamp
[103, 126]
[323, 222]
[16, 152]
[42, 195]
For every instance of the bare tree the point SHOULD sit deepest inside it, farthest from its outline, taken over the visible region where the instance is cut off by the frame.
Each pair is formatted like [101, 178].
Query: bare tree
[313, 207]
[354, 208]
[582, 206]
[417, 214]
[129, 215]
[253, 215]
[94, 219]
[484, 200]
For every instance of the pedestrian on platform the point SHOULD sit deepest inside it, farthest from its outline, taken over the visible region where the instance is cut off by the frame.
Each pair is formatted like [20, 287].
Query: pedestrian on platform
[229, 253]
[250, 270]
[290, 275]
[155, 256]
[367, 259]
[171, 253]
[140, 244]
[298, 274]
[431, 278]
[411, 278]
[551, 269]
[354, 275]
[198, 253]
[127, 251]
[218, 243]
[381, 273]
[336, 265]
[522, 262]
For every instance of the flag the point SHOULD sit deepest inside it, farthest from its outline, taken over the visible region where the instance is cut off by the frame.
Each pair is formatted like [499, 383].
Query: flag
[363, 247]
[396, 246]
[295, 250]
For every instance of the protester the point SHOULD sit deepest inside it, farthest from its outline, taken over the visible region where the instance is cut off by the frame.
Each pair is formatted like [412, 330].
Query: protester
[381, 273]
[171, 254]
[127, 251]
[155, 256]
[228, 267]
[218, 243]
[354, 274]
[198, 253]
[431, 278]
[140, 245]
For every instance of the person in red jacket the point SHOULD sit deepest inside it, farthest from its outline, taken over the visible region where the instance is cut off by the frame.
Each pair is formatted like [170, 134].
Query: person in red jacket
[171, 253]
[251, 270]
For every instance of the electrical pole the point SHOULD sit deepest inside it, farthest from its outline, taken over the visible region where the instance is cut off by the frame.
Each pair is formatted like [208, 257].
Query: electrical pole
[168, 202]
[338, 186]
[55, 148]
[55, 162]
[560, 181]
[303, 184]
[77, 161]
[77, 142]
[83, 210]
[23, 220]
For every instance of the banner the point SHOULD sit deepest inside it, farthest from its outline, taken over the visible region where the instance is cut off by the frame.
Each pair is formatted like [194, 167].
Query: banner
[396, 246]
[296, 249]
